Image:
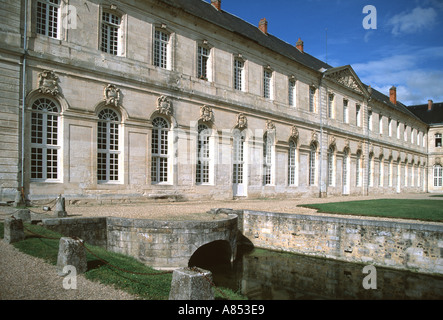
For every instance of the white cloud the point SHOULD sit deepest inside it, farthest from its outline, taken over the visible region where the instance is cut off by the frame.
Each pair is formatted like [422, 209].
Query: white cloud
[415, 83]
[414, 21]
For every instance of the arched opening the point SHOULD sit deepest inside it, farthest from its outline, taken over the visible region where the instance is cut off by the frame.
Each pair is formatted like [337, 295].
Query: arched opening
[212, 254]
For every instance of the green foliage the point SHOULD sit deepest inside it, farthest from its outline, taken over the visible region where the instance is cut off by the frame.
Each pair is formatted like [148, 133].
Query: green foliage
[431, 210]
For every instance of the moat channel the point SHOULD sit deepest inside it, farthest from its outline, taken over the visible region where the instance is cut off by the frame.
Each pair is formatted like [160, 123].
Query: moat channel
[268, 275]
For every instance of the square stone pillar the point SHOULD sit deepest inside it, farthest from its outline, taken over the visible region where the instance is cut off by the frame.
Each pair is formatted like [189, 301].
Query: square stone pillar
[191, 284]
[14, 231]
[71, 253]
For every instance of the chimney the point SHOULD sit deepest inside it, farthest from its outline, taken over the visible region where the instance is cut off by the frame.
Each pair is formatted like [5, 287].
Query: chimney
[263, 26]
[393, 95]
[430, 102]
[299, 45]
[216, 4]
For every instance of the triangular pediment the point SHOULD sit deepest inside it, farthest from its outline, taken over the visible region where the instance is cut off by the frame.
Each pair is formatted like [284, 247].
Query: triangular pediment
[346, 76]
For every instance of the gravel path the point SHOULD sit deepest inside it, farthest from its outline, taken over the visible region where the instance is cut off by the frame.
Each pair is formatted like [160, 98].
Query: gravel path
[24, 277]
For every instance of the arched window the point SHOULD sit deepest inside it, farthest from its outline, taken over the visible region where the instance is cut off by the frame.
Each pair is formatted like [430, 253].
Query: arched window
[331, 170]
[438, 175]
[312, 164]
[345, 173]
[108, 146]
[45, 140]
[159, 150]
[358, 170]
[267, 159]
[371, 170]
[292, 163]
[203, 155]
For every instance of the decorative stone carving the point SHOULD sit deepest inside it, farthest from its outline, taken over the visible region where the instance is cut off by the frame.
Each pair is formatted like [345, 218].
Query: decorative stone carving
[242, 121]
[294, 133]
[332, 141]
[360, 145]
[206, 114]
[112, 95]
[345, 78]
[347, 144]
[270, 125]
[48, 82]
[164, 106]
[314, 137]
[438, 161]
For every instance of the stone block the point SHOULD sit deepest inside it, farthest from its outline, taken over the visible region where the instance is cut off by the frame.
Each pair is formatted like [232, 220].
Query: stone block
[13, 230]
[71, 252]
[191, 284]
[23, 214]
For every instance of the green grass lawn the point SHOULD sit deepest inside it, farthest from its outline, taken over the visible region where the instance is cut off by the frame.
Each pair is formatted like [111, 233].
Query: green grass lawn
[134, 279]
[428, 210]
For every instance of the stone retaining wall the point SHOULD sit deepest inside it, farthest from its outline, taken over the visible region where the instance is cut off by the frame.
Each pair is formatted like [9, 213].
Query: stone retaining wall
[402, 245]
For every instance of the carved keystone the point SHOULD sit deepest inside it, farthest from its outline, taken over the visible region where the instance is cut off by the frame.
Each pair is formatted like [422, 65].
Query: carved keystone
[191, 284]
[13, 230]
[71, 252]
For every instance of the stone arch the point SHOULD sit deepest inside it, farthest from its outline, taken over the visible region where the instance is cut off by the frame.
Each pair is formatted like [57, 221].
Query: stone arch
[217, 252]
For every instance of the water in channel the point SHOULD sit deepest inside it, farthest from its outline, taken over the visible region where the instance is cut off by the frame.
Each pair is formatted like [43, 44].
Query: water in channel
[268, 275]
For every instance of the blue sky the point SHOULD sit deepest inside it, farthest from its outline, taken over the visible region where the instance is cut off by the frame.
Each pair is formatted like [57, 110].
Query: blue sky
[405, 50]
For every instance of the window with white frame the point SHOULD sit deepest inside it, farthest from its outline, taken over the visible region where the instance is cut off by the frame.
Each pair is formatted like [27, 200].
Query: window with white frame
[48, 18]
[413, 174]
[312, 102]
[398, 130]
[203, 55]
[380, 124]
[380, 172]
[405, 133]
[390, 171]
[358, 115]
[371, 170]
[108, 151]
[159, 150]
[238, 157]
[390, 127]
[438, 140]
[412, 135]
[370, 120]
[345, 111]
[292, 163]
[267, 159]
[358, 170]
[406, 174]
[203, 155]
[438, 175]
[312, 164]
[161, 49]
[331, 166]
[110, 33]
[267, 84]
[239, 74]
[45, 142]
[292, 93]
[331, 106]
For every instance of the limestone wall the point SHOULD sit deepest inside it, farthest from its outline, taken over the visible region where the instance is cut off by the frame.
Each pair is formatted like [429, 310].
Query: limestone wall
[402, 245]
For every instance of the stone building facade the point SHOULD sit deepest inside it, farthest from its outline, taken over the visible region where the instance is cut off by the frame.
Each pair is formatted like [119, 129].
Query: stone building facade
[178, 98]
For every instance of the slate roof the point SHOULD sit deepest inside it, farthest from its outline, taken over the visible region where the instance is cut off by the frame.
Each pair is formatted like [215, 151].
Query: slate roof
[230, 22]
[206, 11]
[432, 117]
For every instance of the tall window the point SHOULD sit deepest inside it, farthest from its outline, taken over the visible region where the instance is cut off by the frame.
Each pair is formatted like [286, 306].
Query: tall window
[267, 159]
[346, 164]
[48, 18]
[390, 127]
[159, 151]
[331, 179]
[331, 106]
[267, 84]
[438, 175]
[108, 146]
[405, 133]
[292, 163]
[44, 140]
[398, 130]
[110, 33]
[438, 140]
[312, 99]
[358, 170]
[312, 164]
[358, 115]
[390, 171]
[203, 154]
[292, 94]
[406, 174]
[380, 124]
[203, 60]
[161, 48]
[345, 111]
[370, 120]
[380, 172]
[238, 161]
[371, 171]
[239, 75]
